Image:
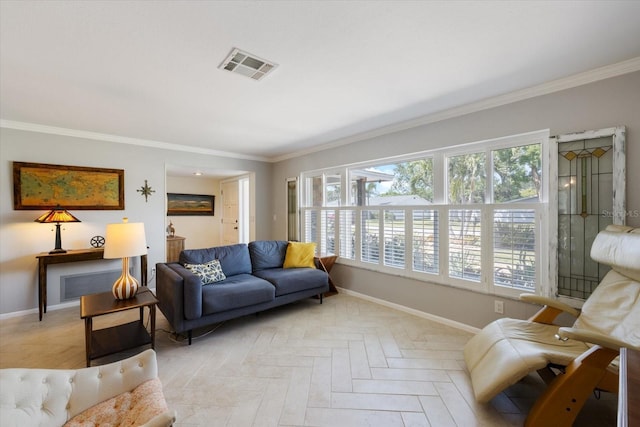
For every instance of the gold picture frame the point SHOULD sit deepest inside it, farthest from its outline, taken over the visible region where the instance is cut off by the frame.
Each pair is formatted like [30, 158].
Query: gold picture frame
[40, 186]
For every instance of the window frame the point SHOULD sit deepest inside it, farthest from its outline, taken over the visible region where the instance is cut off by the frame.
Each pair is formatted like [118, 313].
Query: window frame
[442, 206]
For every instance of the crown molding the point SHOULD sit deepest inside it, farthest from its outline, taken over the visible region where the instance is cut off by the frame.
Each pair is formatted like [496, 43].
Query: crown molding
[591, 76]
[53, 130]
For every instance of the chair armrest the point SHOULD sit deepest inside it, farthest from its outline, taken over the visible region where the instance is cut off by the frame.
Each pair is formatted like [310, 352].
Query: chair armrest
[552, 308]
[594, 338]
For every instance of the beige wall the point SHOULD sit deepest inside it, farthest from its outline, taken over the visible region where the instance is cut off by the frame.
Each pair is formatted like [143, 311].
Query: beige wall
[603, 104]
[198, 231]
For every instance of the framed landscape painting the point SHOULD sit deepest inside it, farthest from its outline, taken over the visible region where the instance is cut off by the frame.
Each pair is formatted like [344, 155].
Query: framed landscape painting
[190, 204]
[38, 186]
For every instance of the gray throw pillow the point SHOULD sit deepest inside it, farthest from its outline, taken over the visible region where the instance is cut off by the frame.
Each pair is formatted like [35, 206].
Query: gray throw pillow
[209, 272]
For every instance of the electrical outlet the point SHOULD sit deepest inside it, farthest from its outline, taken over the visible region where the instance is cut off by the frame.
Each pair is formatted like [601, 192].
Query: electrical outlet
[498, 306]
[153, 271]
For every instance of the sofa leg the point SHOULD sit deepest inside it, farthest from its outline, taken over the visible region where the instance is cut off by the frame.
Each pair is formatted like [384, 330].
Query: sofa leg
[321, 294]
[190, 335]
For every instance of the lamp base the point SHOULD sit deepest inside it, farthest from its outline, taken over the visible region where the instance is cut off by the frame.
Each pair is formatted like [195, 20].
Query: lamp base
[58, 249]
[126, 286]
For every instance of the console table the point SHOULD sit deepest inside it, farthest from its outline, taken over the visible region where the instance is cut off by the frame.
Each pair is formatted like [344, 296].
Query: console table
[45, 258]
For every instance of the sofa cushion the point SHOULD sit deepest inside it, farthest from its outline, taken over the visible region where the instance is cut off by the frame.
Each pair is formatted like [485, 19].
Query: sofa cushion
[267, 253]
[209, 272]
[234, 259]
[237, 291]
[290, 280]
[300, 255]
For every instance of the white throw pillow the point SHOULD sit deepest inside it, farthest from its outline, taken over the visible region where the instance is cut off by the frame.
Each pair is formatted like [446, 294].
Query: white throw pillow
[210, 272]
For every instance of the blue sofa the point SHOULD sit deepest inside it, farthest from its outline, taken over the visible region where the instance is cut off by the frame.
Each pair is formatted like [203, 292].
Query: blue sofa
[255, 281]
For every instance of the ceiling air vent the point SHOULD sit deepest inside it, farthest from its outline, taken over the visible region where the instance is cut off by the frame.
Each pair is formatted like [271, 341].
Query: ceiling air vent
[247, 64]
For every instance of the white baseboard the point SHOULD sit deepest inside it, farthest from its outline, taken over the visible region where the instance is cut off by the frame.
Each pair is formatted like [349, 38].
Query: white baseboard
[35, 311]
[422, 314]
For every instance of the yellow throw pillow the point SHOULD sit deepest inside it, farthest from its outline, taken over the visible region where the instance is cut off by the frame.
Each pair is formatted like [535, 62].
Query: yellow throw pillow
[300, 255]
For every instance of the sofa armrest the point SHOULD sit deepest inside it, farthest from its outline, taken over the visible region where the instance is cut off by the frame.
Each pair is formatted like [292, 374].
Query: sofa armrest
[179, 292]
[552, 308]
[192, 288]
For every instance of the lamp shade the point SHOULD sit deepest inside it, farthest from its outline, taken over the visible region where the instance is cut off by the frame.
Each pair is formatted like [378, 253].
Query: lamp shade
[57, 214]
[125, 240]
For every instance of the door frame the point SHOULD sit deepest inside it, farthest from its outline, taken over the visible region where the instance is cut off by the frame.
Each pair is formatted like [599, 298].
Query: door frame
[246, 214]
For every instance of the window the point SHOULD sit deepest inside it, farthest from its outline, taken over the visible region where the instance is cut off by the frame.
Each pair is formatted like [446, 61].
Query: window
[465, 244]
[516, 174]
[347, 234]
[425, 240]
[387, 184]
[292, 209]
[470, 216]
[328, 232]
[394, 230]
[514, 238]
[370, 239]
[466, 178]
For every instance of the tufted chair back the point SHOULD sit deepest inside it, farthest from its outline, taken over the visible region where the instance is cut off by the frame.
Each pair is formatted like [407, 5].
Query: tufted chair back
[50, 397]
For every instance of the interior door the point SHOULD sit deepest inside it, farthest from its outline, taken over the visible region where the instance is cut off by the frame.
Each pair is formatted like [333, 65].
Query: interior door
[230, 213]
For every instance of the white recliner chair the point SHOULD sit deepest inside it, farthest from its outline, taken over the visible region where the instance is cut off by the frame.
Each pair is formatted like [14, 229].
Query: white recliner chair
[127, 392]
[506, 350]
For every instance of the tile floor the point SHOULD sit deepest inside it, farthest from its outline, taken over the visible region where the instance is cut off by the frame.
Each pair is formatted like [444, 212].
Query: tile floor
[347, 362]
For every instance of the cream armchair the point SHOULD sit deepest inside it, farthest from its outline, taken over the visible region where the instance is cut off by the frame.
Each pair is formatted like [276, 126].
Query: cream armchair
[125, 391]
[508, 349]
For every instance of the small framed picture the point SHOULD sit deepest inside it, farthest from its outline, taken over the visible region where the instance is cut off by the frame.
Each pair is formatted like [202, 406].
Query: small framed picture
[190, 204]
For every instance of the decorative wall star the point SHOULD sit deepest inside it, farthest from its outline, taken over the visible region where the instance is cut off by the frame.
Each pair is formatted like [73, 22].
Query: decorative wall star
[146, 191]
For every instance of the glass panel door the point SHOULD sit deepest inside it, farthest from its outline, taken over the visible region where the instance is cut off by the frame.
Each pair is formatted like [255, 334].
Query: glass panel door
[590, 167]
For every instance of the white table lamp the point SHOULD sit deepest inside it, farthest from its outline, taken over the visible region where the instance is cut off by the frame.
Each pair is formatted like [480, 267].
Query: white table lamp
[125, 240]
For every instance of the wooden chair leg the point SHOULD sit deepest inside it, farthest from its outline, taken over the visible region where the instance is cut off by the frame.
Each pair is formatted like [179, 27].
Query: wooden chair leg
[609, 382]
[563, 399]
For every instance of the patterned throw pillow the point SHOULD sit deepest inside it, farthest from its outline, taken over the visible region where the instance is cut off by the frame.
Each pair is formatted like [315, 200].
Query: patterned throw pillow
[209, 272]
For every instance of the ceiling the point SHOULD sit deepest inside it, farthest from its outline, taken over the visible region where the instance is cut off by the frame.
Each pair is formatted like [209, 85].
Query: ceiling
[149, 70]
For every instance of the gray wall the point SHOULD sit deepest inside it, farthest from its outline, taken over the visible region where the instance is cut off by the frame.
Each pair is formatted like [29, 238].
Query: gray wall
[603, 104]
[21, 238]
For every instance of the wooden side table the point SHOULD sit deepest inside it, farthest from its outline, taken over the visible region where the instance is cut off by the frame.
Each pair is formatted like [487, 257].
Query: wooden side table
[115, 339]
[326, 262]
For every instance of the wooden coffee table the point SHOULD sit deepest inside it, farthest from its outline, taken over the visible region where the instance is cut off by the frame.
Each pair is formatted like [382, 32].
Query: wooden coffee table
[103, 342]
